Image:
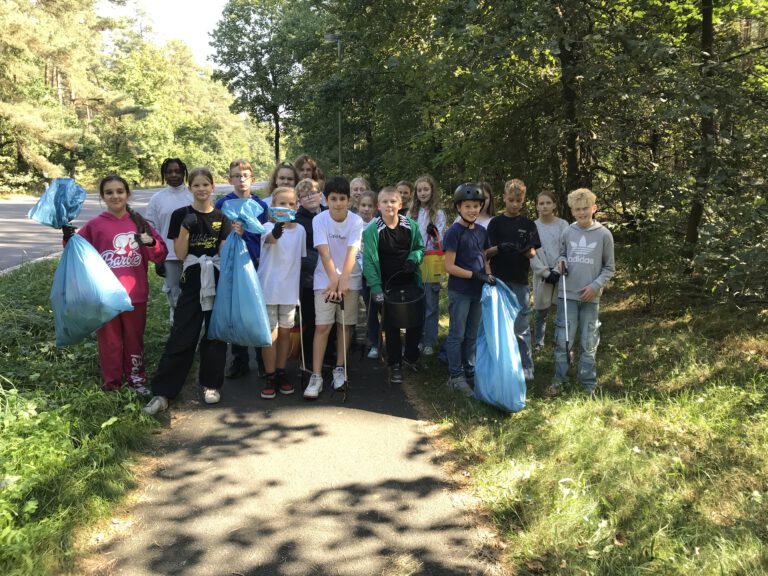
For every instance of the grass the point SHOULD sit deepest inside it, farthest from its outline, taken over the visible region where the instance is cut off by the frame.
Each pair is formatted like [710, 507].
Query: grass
[665, 471]
[66, 446]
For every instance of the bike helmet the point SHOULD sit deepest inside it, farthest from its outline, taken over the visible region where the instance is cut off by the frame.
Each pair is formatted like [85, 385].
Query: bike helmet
[468, 191]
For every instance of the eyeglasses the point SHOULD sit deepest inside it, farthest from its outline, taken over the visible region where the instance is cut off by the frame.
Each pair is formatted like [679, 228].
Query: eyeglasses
[308, 194]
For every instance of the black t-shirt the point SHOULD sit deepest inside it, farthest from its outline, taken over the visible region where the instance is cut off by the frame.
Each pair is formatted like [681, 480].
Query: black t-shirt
[394, 247]
[204, 238]
[522, 233]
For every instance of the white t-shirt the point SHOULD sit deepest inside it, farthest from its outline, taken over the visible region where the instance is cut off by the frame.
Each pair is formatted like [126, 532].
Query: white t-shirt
[338, 236]
[161, 206]
[280, 265]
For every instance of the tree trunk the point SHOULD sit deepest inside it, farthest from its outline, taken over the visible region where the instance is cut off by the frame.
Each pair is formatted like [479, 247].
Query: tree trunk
[276, 123]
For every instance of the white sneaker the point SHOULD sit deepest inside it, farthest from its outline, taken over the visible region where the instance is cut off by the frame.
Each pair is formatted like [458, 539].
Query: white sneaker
[157, 404]
[211, 395]
[338, 378]
[528, 372]
[314, 387]
[373, 353]
[428, 351]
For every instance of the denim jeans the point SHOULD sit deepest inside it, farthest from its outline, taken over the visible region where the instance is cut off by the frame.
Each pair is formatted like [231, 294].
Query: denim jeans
[523, 323]
[582, 321]
[431, 313]
[464, 312]
[540, 325]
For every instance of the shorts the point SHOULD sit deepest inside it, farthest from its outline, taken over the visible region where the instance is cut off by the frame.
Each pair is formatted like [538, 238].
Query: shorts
[282, 315]
[328, 312]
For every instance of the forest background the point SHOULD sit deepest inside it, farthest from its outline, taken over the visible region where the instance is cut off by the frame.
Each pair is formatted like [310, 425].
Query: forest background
[660, 106]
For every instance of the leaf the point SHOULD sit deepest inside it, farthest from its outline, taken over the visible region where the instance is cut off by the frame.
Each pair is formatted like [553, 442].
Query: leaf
[109, 422]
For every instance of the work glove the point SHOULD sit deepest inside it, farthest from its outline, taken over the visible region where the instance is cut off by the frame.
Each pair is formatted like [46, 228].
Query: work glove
[67, 232]
[160, 269]
[144, 239]
[553, 278]
[277, 231]
[190, 222]
[378, 297]
[483, 277]
[431, 230]
[409, 267]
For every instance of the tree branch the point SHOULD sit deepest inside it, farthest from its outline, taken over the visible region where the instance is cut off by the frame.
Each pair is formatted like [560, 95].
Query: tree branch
[742, 54]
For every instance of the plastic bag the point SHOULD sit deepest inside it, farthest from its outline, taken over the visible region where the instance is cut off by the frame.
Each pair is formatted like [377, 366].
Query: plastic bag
[239, 314]
[245, 210]
[85, 294]
[59, 205]
[499, 377]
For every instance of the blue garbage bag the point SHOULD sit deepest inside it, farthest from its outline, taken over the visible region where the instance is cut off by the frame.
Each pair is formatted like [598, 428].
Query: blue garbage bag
[239, 314]
[85, 294]
[499, 377]
[245, 210]
[59, 205]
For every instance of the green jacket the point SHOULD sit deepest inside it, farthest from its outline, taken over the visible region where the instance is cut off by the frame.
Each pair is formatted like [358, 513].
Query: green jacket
[371, 266]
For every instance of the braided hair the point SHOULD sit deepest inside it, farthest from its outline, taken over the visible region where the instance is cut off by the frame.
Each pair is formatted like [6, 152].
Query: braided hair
[168, 161]
[142, 225]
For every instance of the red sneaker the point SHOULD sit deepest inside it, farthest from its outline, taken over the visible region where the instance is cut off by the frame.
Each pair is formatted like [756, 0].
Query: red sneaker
[285, 385]
[268, 392]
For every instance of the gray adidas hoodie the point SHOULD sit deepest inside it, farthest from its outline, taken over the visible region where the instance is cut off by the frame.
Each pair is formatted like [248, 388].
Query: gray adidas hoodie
[588, 253]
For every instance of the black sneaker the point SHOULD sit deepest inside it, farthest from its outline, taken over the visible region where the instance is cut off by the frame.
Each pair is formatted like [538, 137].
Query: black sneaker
[395, 375]
[237, 369]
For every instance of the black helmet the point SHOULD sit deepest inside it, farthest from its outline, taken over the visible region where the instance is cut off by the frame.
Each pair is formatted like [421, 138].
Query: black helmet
[468, 191]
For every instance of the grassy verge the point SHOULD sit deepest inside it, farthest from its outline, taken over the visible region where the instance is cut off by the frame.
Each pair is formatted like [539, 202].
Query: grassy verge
[66, 445]
[664, 472]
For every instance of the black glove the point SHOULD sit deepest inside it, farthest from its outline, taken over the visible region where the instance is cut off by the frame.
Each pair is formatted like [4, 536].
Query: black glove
[67, 232]
[483, 277]
[409, 267]
[553, 278]
[431, 230]
[144, 239]
[277, 231]
[190, 222]
[506, 247]
[378, 297]
[160, 269]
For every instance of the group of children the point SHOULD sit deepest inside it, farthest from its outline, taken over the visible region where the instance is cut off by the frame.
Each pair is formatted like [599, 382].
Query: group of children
[328, 251]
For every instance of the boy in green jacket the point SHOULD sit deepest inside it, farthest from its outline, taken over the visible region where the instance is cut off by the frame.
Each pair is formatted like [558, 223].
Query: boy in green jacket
[392, 252]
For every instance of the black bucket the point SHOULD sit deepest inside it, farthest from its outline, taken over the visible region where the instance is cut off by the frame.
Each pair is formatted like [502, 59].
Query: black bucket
[403, 306]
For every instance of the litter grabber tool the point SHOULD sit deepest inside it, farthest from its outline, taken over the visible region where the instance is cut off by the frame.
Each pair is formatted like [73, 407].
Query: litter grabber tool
[304, 372]
[565, 314]
[345, 387]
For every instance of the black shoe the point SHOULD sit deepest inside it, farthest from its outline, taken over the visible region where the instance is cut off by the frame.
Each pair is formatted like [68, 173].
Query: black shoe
[237, 370]
[395, 375]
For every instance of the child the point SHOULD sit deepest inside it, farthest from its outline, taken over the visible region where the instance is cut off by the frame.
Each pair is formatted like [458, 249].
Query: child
[127, 243]
[393, 252]
[545, 277]
[198, 232]
[426, 210]
[241, 178]
[586, 258]
[284, 175]
[488, 210]
[514, 240]
[366, 208]
[306, 167]
[162, 204]
[465, 244]
[284, 245]
[356, 188]
[337, 235]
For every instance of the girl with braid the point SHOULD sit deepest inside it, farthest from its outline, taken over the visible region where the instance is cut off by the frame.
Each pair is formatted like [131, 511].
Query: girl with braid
[127, 243]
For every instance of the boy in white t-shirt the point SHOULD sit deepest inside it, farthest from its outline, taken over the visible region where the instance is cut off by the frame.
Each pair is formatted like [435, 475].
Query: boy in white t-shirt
[337, 235]
[283, 245]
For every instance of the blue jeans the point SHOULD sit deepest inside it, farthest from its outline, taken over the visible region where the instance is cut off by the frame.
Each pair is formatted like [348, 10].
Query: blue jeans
[464, 312]
[540, 325]
[431, 313]
[523, 323]
[582, 321]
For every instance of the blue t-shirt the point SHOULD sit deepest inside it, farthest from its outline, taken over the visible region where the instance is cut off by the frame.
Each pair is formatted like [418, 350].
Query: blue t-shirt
[252, 241]
[469, 244]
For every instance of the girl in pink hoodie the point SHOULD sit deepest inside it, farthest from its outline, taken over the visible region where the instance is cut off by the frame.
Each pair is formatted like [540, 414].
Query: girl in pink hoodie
[127, 243]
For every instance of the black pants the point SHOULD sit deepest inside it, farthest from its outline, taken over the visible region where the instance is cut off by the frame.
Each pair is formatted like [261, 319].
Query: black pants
[179, 350]
[395, 346]
[307, 300]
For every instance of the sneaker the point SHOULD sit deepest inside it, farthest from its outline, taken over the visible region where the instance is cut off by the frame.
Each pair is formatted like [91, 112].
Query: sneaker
[157, 404]
[528, 372]
[314, 387]
[413, 366]
[269, 392]
[395, 375]
[428, 351]
[283, 384]
[211, 395]
[373, 353]
[237, 369]
[553, 390]
[459, 383]
[338, 378]
[140, 389]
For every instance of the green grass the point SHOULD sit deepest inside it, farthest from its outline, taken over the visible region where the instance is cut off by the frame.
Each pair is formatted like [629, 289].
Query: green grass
[66, 446]
[665, 471]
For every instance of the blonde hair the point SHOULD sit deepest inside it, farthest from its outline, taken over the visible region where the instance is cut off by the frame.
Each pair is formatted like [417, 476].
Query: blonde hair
[515, 187]
[581, 197]
[306, 185]
[242, 164]
[283, 190]
[433, 205]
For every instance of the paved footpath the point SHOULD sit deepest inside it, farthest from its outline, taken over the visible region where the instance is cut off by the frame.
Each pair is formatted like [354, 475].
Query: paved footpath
[288, 487]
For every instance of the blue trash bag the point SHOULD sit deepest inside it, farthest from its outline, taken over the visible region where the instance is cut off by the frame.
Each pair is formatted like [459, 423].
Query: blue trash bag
[59, 205]
[245, 210]
[85, 294]
[239, 314]
[499, 377]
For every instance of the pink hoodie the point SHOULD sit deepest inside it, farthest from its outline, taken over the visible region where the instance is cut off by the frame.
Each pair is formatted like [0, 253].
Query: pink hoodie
[113, 239]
